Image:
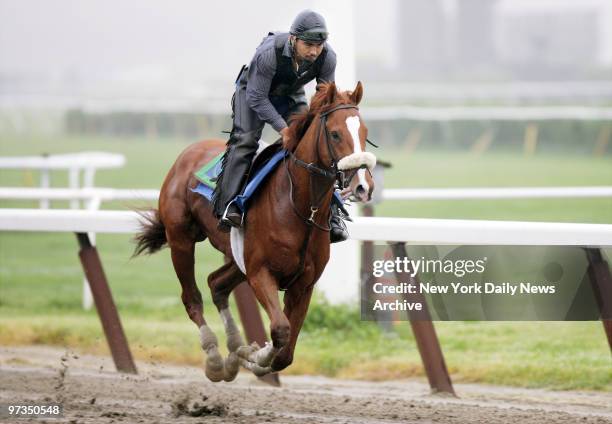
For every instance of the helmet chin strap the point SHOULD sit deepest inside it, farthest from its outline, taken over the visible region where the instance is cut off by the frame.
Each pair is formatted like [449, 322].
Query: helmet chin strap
[294, 55]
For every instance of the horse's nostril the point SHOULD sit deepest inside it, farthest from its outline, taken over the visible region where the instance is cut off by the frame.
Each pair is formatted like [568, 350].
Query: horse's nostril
[360, 189]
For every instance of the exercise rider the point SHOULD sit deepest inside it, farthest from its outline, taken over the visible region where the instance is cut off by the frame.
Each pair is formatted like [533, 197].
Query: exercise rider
[269, 90]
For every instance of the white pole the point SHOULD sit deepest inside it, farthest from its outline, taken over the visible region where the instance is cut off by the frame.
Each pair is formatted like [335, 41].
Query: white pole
[73, 182]
[45, 182]
[88, 177]
[93, 205]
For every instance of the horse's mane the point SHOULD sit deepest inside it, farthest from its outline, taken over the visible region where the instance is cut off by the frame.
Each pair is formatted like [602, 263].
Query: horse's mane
[300, 122]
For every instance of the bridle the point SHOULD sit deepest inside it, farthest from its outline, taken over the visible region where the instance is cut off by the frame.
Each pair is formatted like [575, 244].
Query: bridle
[327, 173]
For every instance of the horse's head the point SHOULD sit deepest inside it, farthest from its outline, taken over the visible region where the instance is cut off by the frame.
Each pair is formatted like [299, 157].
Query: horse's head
[341, 138]
[346, 134]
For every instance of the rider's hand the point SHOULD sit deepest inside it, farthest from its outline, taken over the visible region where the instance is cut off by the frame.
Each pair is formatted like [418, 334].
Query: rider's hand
[285, 134]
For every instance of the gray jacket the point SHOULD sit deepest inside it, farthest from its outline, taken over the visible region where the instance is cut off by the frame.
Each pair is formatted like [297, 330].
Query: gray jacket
[263, 69]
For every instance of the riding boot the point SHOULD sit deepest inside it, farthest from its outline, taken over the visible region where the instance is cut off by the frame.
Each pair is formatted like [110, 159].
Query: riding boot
[236, 165]
[338, 231]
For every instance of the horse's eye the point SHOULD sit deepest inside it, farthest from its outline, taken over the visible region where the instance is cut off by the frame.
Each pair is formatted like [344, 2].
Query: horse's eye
[335, 136]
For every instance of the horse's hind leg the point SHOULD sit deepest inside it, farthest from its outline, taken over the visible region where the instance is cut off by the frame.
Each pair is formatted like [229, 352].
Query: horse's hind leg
[183, 260]
[182, 249]
[221, 283]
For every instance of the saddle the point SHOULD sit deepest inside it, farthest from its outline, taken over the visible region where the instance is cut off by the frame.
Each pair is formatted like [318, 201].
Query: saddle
[266, 159]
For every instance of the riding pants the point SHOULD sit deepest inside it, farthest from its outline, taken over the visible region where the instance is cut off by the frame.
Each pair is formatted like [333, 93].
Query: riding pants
[243, 141]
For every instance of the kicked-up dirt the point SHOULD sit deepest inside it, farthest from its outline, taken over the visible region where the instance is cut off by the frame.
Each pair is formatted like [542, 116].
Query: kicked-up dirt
[91, 391]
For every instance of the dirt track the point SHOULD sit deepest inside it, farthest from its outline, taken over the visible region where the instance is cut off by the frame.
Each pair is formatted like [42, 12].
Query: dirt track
[92, 392]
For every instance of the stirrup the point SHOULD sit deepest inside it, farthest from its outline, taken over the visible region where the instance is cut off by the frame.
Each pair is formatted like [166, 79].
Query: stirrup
[231, 218]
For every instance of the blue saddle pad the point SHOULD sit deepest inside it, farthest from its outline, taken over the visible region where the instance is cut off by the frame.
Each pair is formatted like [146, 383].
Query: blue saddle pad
[207, 175]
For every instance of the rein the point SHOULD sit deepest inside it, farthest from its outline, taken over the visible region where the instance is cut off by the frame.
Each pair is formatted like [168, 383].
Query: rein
[332, 173]
[314, 171]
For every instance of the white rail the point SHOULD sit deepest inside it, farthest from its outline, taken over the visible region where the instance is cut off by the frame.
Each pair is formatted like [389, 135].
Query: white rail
[81, 160]
[494, 193]
[523, 113]
[107, 194]
[102, 194]
[409, 230]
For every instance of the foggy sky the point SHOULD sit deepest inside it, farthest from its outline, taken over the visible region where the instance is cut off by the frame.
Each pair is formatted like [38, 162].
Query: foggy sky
[150, 40]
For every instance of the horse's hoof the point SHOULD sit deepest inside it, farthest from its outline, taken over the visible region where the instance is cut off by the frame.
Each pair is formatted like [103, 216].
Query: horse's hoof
[214, 375]
[255, 369]
[245, 351]
[232, 365]
[214, 367]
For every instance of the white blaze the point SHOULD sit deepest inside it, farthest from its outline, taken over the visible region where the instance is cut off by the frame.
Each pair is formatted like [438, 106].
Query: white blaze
[353, 124]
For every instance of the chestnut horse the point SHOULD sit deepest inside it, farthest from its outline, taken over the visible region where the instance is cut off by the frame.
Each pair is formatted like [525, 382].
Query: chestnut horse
[284, 241]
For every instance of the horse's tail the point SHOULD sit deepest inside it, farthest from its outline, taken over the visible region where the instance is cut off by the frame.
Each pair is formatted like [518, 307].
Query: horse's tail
[152, 236]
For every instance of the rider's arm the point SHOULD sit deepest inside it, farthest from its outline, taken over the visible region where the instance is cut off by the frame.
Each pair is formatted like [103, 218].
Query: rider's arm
[260, 76]
[328, 69]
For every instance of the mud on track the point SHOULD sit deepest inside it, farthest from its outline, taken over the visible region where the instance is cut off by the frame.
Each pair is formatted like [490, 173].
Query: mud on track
[92, 392]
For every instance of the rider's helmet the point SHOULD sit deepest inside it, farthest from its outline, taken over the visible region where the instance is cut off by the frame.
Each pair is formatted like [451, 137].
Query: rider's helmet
[309, 26]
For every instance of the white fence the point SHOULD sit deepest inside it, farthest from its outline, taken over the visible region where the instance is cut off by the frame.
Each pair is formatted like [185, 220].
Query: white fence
[488, 113]
[409, 230]
[494, 193]
[338, 281]
[413, 231]
[100, 194]
[103, 194]
[73, 163]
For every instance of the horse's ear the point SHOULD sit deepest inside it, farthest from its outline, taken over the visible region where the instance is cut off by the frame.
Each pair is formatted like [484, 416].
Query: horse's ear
[330, 96]
[357, 94]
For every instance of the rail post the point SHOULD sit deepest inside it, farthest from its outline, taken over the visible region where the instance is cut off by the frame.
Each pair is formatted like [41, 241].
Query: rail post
[425, 336]
[107, 311]
[601, 281]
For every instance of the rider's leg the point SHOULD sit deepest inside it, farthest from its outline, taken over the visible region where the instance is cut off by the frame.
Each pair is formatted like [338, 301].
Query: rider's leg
[241, 148]
[237, 163]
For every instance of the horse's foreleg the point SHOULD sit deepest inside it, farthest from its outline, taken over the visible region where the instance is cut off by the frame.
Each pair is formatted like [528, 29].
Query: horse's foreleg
[258, 359]
[296, 300]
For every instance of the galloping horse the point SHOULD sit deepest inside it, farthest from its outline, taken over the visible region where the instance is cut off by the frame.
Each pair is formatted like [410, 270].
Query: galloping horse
[285, 235]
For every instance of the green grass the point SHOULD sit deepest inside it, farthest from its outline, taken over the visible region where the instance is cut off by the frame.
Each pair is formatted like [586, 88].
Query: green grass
[439, 169]
[41, 277]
